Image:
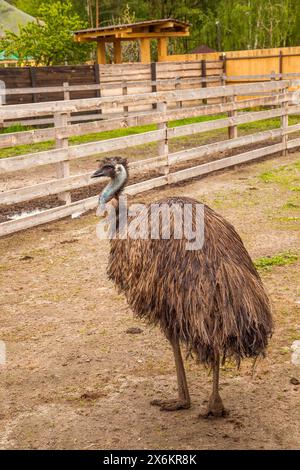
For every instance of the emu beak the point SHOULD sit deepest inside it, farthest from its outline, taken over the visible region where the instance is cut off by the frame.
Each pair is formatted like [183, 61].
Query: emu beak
[97, 173]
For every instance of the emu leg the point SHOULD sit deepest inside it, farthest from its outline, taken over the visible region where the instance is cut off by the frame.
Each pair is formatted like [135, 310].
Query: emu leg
[215, 404]
[183, 401]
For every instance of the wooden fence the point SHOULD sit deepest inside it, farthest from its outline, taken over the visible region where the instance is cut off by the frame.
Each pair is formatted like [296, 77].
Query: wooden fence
[67, 92]
[281, 60]
[138, 79]
[273, 94]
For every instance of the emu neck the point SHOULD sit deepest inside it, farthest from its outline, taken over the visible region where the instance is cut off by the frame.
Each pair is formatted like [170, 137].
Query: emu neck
[113, 187]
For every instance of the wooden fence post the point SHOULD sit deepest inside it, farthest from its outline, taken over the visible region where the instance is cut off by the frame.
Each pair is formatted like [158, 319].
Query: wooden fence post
[33, 83]
[232, 130]
[97, 82]
[285, 120]
[280, 64]
[203, 76]
[62, 168]
[223, 75]
[163, 145]
[66, 91]
[67, 95]
[153, 72]
[125, 92]
[177, 87]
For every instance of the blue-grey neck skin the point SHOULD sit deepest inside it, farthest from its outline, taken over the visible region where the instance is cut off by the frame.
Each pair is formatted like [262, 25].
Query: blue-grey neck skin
[113, 186]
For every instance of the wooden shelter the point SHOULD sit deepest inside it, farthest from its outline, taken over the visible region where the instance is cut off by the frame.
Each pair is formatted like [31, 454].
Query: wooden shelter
[143, 31]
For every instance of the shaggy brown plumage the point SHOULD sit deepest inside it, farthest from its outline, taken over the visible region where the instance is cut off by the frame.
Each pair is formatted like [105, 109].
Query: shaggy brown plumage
[211, 299]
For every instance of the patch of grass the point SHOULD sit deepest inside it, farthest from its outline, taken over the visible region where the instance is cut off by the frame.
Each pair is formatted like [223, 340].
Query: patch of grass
[282, 259]
[288, 219]
[263, 125]
[291, 205]
[15, 128]
[286, 175]
[23, 149]
[266, 124]
[193, 120]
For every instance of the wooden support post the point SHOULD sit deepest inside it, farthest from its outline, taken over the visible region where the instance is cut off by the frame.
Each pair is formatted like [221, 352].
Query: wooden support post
[33, 83]
[177, 87]
[67, 96]
[224, 71]
[163, 145]
[63, 168]
[145, 53]
[125, 92]
[280, 64]
[101, 57]
[285, 120]
[232, 130]
[162, 49]
[97, 82]
[203, 76]
[117, 52]
[2, 101]
[224, 68]
[97, 79]
[153, 79]
[66, 91]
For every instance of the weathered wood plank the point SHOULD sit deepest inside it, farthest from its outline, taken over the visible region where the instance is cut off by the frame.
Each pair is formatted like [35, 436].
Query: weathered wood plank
[293, 143]
[40, 135]
[77, 151]
[90, 203]
[94, 148]
[49, 215]
[223, 163]
[78, 181]
[73, 106]
[221, 123]
[291, 129]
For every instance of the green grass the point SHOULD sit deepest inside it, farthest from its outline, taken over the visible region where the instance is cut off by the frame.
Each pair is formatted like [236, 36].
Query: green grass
[287, 176]
[267, 124]
[290, 205]
[282, 259]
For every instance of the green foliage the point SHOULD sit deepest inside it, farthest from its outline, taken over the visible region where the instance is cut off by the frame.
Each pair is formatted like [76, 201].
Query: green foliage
[241, 24]
[130, 49]
[49, 40]
[282, 259]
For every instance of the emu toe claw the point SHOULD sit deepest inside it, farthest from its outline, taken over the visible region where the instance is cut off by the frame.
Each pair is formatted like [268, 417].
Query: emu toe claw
[171, 405]
[214, 413]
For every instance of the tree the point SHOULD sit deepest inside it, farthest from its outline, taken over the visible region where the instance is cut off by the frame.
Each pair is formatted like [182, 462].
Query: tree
[252, 24]
[242, 24]
[49, 40]
[130, 49]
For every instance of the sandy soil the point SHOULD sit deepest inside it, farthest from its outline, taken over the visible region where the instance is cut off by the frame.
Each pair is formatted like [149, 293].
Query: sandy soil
[75, 379]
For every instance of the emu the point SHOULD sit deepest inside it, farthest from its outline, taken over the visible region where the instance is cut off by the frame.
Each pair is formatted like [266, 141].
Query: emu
[210, 299]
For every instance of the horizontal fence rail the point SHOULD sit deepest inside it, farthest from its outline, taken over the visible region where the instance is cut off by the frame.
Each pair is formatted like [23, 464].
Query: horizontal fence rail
[236, 102]
[73, 106]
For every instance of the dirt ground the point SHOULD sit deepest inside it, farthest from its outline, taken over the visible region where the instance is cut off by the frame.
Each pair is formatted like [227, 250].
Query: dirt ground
[75, 379]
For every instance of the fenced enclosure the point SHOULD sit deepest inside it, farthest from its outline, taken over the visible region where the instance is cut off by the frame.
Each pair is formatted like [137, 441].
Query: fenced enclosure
[237, 101]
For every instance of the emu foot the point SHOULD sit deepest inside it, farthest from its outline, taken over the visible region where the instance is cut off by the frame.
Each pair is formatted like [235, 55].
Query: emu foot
[171, 405]
[215, 409]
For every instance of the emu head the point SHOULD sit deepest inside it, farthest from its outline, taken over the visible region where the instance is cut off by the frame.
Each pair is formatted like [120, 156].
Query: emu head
[116, 169]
